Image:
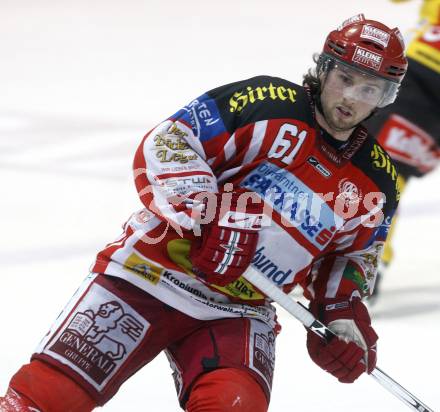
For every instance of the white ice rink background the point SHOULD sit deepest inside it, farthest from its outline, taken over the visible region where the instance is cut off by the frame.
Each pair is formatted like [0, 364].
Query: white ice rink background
[81, 82]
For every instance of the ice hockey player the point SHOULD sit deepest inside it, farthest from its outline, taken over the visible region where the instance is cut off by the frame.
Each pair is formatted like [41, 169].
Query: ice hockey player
[409, 130]
[262, 172]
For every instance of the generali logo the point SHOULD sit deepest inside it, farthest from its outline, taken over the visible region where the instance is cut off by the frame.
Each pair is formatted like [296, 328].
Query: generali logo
[367, 58]
[264, 354]
[96, 342]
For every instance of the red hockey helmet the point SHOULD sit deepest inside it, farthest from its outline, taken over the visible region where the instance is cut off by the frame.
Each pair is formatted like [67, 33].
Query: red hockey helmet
[369, 47]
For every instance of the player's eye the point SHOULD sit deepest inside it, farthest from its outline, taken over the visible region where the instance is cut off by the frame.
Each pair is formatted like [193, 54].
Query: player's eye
[371, 92]
[347, 81]
[368, 90]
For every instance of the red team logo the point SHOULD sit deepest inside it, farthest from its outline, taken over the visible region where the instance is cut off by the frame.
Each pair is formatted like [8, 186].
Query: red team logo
[349, 192]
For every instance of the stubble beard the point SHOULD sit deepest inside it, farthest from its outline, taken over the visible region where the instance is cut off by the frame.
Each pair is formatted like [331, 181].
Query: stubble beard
[337, 124]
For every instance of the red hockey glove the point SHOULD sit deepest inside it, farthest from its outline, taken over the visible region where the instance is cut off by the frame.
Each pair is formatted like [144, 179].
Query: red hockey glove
[228, 242]
[354, 352]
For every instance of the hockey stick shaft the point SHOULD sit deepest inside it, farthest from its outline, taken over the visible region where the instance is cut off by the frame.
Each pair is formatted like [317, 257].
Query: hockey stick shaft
[308, 320]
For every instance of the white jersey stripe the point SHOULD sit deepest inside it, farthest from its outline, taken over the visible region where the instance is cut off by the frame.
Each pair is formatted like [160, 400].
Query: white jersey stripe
[346, 241]
[230, 148]
[228, 173]
[335, 276]
[256, 141]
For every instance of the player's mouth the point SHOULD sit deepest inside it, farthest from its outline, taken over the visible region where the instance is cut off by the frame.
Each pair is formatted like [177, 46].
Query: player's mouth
[344, 112]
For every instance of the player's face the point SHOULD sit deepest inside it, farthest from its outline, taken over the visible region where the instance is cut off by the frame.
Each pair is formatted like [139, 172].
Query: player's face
[349, 96]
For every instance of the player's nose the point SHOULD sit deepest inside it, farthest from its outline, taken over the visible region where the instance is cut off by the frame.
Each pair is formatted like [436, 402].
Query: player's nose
[349, 95]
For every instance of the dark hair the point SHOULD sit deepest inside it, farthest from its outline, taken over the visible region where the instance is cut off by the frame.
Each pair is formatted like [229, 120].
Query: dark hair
[311, 79]
[312, 82]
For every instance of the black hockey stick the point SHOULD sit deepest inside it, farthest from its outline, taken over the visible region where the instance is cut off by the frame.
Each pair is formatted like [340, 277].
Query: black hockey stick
[309, 321]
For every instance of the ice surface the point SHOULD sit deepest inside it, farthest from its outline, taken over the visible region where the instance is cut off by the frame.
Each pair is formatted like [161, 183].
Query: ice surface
[81, 82]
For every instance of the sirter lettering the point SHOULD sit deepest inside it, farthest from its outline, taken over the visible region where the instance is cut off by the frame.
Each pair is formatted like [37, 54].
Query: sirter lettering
[239, 100]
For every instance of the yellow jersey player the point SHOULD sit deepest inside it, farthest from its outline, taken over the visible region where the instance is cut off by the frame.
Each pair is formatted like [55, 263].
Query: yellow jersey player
[409, 130]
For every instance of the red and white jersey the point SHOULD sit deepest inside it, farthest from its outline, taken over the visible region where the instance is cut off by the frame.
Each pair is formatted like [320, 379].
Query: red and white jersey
[330, 206]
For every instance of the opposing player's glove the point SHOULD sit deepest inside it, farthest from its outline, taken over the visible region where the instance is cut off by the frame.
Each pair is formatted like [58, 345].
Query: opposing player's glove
[228, 242]
[354, 352]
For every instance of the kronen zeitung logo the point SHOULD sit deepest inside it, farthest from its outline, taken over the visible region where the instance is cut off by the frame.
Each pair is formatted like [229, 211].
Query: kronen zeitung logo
[240, 100]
